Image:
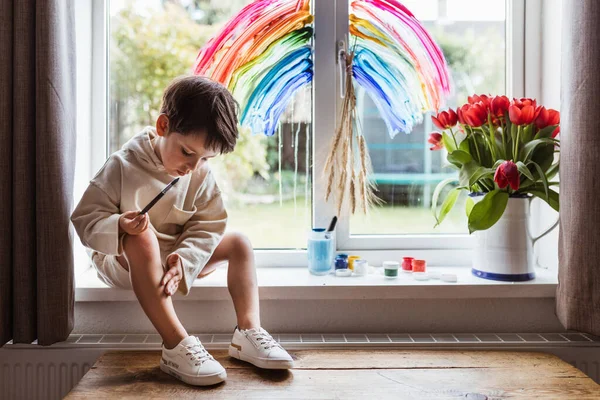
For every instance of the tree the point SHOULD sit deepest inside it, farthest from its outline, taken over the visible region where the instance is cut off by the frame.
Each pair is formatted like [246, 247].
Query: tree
[148, 49]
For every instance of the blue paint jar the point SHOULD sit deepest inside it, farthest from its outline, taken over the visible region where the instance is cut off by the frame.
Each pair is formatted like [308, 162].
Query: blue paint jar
[341, 261]
[320, 251]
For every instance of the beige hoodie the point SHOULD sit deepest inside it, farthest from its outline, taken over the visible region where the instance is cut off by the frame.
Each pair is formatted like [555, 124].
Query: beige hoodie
[189, 220]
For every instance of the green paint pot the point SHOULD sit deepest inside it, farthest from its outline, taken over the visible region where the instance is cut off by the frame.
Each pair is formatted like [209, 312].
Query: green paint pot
[390, 269]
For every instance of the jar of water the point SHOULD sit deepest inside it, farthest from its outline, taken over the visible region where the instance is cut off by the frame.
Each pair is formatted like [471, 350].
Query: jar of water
[320, 251]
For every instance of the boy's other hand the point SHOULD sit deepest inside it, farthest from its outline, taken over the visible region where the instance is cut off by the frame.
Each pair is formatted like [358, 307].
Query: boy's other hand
[173, 275]
[132, 223]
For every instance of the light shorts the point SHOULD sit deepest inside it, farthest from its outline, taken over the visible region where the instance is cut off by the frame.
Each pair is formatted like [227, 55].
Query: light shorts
[110, 271]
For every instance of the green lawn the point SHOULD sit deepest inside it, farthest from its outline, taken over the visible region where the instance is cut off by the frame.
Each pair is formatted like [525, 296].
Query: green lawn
[275, 226]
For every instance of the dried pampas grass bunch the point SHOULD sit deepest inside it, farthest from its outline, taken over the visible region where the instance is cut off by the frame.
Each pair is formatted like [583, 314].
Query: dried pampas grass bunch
[348, 165]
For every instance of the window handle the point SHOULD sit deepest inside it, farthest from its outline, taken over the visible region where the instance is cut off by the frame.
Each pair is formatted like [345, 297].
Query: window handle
[341, 60]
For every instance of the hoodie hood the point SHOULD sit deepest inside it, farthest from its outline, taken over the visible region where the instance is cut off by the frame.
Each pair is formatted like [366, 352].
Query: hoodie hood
[142, 146]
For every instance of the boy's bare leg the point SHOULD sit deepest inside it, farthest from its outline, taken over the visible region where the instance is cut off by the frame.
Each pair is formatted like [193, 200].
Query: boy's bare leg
[146, 271]
[241, 277]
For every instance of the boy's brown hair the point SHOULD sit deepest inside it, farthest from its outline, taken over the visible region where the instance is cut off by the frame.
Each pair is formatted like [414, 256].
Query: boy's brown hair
[198, 104]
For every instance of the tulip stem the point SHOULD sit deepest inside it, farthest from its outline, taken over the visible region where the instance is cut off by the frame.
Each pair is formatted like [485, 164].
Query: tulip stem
[492, 138]
[516, 145]
[477, 148]
[504, 134]
[485, 186]
[454, 138]
[484, 136]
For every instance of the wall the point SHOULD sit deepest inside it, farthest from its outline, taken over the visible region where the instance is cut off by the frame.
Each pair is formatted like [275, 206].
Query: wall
[328, 316]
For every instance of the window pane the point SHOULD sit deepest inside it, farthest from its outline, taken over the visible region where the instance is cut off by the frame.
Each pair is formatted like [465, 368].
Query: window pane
[471, 35]
[266, 181]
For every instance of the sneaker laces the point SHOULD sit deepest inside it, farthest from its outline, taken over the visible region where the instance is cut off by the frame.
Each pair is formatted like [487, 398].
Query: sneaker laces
[263, 337]
[198, 353]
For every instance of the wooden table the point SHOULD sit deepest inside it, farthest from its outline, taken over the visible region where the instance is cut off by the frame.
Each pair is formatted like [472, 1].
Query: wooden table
[351, 374]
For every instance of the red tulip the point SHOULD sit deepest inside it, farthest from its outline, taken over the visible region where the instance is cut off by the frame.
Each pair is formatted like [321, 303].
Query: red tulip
[522, 115]
[480, 98]
[524, 101]
[548, 117]
[460, 112]
[436, 140]
[542, 119]
[445, 119]
[475, 115]
[553, 117]
[506, 174]
[499, 105]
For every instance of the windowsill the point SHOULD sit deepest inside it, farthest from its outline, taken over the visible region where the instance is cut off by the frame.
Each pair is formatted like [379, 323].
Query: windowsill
[299, 284]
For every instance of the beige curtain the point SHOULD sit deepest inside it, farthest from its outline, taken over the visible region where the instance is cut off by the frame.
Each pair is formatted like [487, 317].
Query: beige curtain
[37, 156]
[578, 294]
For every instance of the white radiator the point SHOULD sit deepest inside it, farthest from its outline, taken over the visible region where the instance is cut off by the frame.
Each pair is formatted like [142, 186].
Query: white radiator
[32, 372]
[42, 373]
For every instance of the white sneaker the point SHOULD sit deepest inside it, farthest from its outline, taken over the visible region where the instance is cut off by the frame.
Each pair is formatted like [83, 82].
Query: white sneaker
[190, 362]
[257, 347]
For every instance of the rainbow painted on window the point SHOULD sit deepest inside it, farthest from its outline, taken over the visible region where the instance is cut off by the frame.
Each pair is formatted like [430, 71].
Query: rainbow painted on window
[264, 55]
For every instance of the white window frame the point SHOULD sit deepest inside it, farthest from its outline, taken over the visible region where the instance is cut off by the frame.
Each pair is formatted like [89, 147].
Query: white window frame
[440, 249]
[454, 245]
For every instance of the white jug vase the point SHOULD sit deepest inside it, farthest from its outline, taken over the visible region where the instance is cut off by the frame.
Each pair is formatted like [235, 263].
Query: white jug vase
[504, 252]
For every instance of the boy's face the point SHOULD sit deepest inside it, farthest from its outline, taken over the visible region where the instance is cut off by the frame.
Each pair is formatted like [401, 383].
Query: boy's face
[180, 154]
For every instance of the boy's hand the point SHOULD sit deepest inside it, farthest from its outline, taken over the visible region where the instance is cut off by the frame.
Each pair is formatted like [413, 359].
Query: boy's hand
[132, 223]
[173, 275]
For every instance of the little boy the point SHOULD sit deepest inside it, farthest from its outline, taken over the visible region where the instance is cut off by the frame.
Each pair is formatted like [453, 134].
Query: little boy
[182, 237]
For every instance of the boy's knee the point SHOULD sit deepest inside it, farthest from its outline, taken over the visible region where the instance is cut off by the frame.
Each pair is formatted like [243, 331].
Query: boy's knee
[144, 244]
[240, 243]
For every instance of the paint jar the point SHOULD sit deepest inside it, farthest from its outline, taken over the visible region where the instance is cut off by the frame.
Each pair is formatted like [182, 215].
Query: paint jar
[390, 269]
[351, 260]
[421, 276]
[343, 272]
[341, 261]
[320, 251]
[407, 264]
[418, 265]
[361, 267]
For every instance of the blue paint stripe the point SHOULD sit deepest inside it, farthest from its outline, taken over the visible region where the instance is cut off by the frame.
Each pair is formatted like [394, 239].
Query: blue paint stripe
[503, 277]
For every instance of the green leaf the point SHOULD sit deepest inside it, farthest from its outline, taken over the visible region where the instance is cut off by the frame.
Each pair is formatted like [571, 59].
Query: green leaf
[437, 192]
[448, 142]
[542, 176]
[500, 147]
[448, 205]
[524, 170]
[528, 149]
[545, 133]
[459, 157]
[527, 134]
[552, 171]
[469, 205]
[552, 198]
[484, 149]
[544, 156]
[497, 164]
[451, 166]
[479, 173]
[464, 146]
[488, 211]
[464, 176]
